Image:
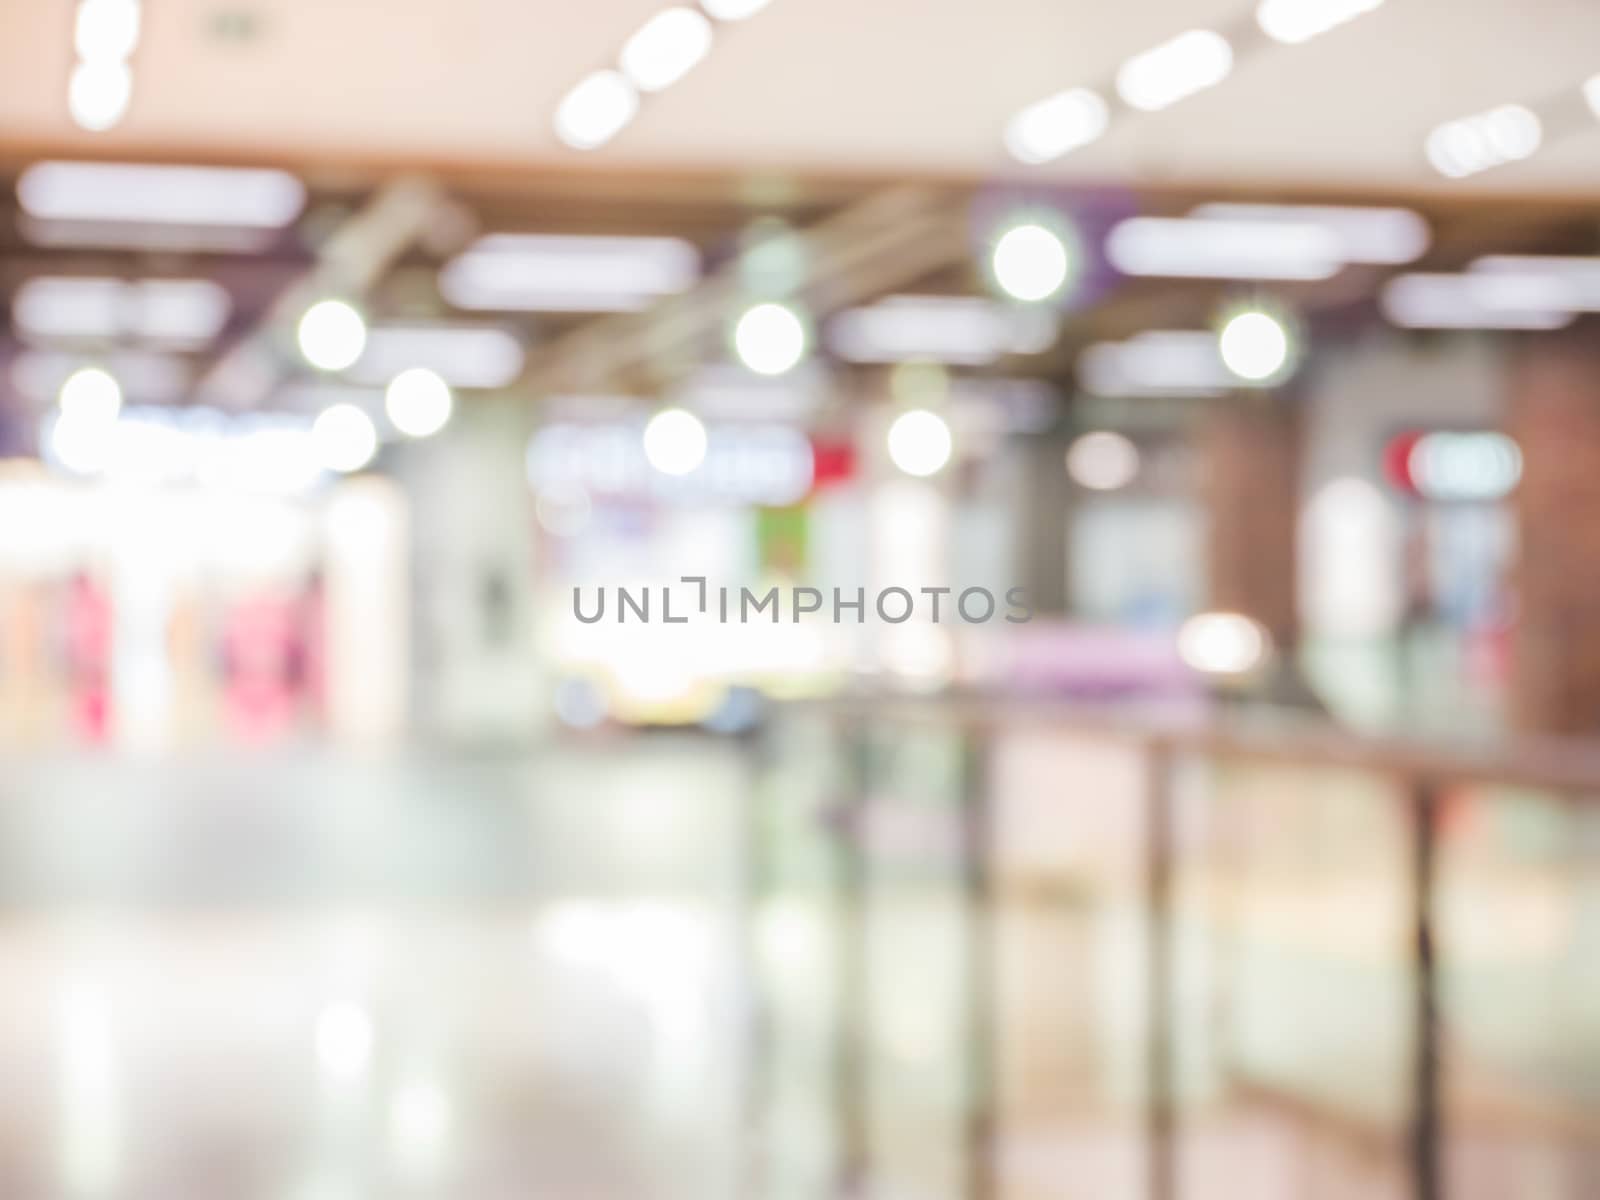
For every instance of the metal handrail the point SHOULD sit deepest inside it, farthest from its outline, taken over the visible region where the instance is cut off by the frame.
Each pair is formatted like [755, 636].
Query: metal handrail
[1422, 766]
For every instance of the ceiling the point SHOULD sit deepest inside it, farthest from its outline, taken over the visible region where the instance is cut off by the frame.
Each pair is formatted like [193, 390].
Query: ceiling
[815, 86]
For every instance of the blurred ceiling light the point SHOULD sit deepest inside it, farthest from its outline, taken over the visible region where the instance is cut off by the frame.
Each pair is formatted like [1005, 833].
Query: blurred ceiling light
[188, 312]
[1103, 461]
[54, 306]
[919, 442]
[557, 273]
[332, 335]
[464, 356]
[1054, 126]
[1295, 21]
[224, 197]
[344, 438]
[597, 108]
[1158, 362]
[90, 394]
[106, 30]
[1572, 280]
[666, 48]
[143, 235]
[40, 374]
[770, 338]
[729, 392]
[947, 329]
[1476, 465]
[81, 446]
[733, 10]
[1591, 93]
[1223, 643]
[418, 402]
[1475, 301]
[98, 94]
[1365, 235]
[82, 434]
[1489, 139]
[1030, 263]
[1186, 247]
[675, 441]
[1255, 346]
[1165, 74]
[420, 1124]
[344, 1041]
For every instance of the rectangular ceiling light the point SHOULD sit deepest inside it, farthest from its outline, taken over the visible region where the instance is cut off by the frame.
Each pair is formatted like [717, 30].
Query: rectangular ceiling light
[1158, 362]
[1177, 68]
[465, 356]
[1296, 21]
[951, 329]
[725, 392]
[143, 235]
[1365, 235]
[225, 197]
[1572, 281]
[1591, 93]
[176, 312]
[144, 375]
[1473, 301]
[1183, 247]
[559, 273]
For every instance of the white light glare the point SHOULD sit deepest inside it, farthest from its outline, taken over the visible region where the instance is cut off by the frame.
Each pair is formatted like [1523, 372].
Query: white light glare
[1476, 301]
[1165, 74]
[1223, 643]
[344, 1041]
[98, 94]
[1473, 144]
[420, 1121]
[666, 48]
[675, 441]
[1591, 93]
[733, 10]
[91, 394]
[946, 329]
[1295, 21]
[770, 339]
[1157, 362]
[107, 31]
[418, 402]
[559, 273]
[344, 438]
[1030, 263]
[1560, 281]
[1056, 125]
[1184, 247]
[1254, 346]
[1364, 235]
[83, 433]
[919, 442]
[597, 108]
[222, 197]
[463, 356]
[1483, 465]
[82, 447]
[1103, 461]
[187, 311]
[332, 335]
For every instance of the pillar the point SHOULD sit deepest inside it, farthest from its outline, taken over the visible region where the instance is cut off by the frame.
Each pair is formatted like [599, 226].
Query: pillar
[1555, 418]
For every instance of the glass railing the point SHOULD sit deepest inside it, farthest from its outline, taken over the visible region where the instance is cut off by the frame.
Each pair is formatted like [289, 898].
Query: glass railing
[1030, 953]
